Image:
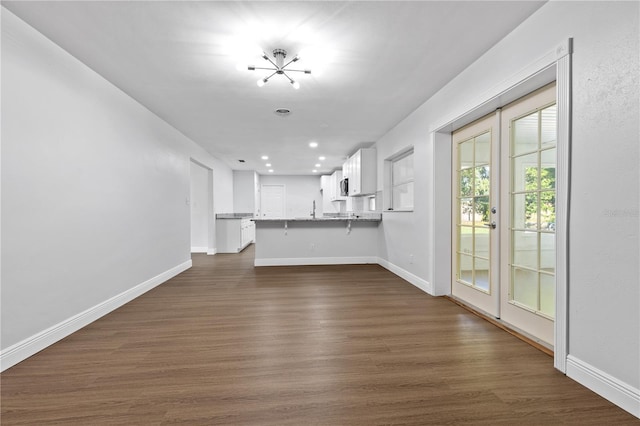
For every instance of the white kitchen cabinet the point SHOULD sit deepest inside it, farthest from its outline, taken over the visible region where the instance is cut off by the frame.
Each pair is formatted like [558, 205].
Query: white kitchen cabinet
[360, 169]
[336, 177]
[233, 235]
[325, 185]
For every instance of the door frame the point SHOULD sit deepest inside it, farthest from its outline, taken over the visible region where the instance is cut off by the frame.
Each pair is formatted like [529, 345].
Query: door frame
[211, 225]
[554, 66]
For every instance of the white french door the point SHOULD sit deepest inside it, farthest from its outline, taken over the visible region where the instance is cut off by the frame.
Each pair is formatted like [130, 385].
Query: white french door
[475, 211]
[503, 232]
[528, 247]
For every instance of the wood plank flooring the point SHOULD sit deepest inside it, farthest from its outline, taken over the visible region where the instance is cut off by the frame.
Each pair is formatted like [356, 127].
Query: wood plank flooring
[225, 343]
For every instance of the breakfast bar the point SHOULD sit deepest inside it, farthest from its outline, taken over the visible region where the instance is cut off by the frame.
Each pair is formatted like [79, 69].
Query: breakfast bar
[327, 240]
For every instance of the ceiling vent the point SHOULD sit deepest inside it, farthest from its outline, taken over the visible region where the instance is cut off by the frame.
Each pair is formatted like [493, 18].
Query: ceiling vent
[282, 112]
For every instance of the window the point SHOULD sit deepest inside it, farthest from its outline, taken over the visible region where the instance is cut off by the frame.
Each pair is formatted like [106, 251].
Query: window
[402, 181]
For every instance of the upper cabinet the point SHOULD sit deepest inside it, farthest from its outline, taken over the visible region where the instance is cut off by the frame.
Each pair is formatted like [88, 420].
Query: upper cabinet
[335, 179]
[331, 186]
[360, 169]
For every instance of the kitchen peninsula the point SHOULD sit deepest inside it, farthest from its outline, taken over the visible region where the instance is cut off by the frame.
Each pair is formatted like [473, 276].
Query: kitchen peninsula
[327, 240]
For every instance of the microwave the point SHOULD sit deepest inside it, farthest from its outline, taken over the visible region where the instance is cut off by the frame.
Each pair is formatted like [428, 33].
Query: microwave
[344, 187]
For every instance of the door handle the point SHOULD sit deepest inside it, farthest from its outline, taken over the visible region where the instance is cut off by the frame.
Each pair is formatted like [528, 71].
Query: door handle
[491, 225]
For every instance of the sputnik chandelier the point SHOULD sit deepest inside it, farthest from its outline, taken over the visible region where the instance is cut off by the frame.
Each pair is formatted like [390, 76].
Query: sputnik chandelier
[279, 67]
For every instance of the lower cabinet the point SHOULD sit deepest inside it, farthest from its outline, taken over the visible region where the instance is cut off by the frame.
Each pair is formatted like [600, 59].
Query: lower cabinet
[233, 235]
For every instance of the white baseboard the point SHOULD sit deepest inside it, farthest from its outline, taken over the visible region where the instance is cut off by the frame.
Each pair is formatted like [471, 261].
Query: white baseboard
[29, 346]
[610, 388]
[212, 251]
[199, 249]
[300, 261]
[408, 276]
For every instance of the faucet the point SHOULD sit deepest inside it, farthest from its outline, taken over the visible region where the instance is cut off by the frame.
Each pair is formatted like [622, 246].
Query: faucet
[313, 212]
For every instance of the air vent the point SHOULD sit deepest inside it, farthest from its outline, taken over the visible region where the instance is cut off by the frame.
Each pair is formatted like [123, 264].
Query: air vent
[282, 112]
[241, 161]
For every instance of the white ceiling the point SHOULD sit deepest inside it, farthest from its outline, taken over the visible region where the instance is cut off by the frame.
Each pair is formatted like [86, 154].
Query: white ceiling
[384, 59]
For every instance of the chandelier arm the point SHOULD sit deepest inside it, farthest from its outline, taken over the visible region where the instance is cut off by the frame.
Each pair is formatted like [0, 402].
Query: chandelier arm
[262, 68]
[290, 79]
[269, 59]
[304, 71]
[267, 78]
[293, 60]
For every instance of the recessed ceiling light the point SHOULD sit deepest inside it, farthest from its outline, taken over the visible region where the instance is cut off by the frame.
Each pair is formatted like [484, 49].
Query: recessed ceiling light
[268, 165]
[270, 170]
[265, 157]
[313, 144]
[322, 158]
[318, 165]
[315, 171]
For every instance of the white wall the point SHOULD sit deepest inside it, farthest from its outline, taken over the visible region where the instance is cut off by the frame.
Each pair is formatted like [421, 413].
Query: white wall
[604, 295]
[199, 202]
[94, 188]
[300, 192]
[244, 192]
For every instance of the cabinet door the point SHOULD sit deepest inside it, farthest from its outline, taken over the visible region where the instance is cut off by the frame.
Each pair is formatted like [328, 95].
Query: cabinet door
[355, 178]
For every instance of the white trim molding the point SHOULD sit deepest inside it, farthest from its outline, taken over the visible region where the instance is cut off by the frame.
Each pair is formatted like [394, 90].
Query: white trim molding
[30, 346]
[303, 261]
[610, 388]
[563, 164]
[199, 249]
[423, 285]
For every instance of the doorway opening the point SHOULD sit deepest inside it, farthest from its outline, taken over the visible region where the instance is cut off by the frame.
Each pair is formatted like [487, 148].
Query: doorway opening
[503, 234]
[201, 208]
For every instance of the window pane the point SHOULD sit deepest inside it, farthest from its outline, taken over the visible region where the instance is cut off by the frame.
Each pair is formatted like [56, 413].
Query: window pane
[525, 173]
[548, 169]
[548, 126]
[525, 211]
[403, 169]
[548, 210]
[465, 243]
[403, 196]
[525, 134]
[481, 210]
[481, 242]
[481, 278]
[402, 182]
[465, 268]
[525, 288]
[466, 154]
[482, 182]
[525, 249]
[466, 182]
[483, 149]
[466, 211]
[548, 252]
[548, 294]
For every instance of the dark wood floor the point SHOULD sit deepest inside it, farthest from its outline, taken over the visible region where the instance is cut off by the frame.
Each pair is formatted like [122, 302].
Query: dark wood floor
[227, 343]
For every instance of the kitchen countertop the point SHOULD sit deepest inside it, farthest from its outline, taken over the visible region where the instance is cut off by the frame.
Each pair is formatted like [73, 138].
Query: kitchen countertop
[234, 215]
[369, 217]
